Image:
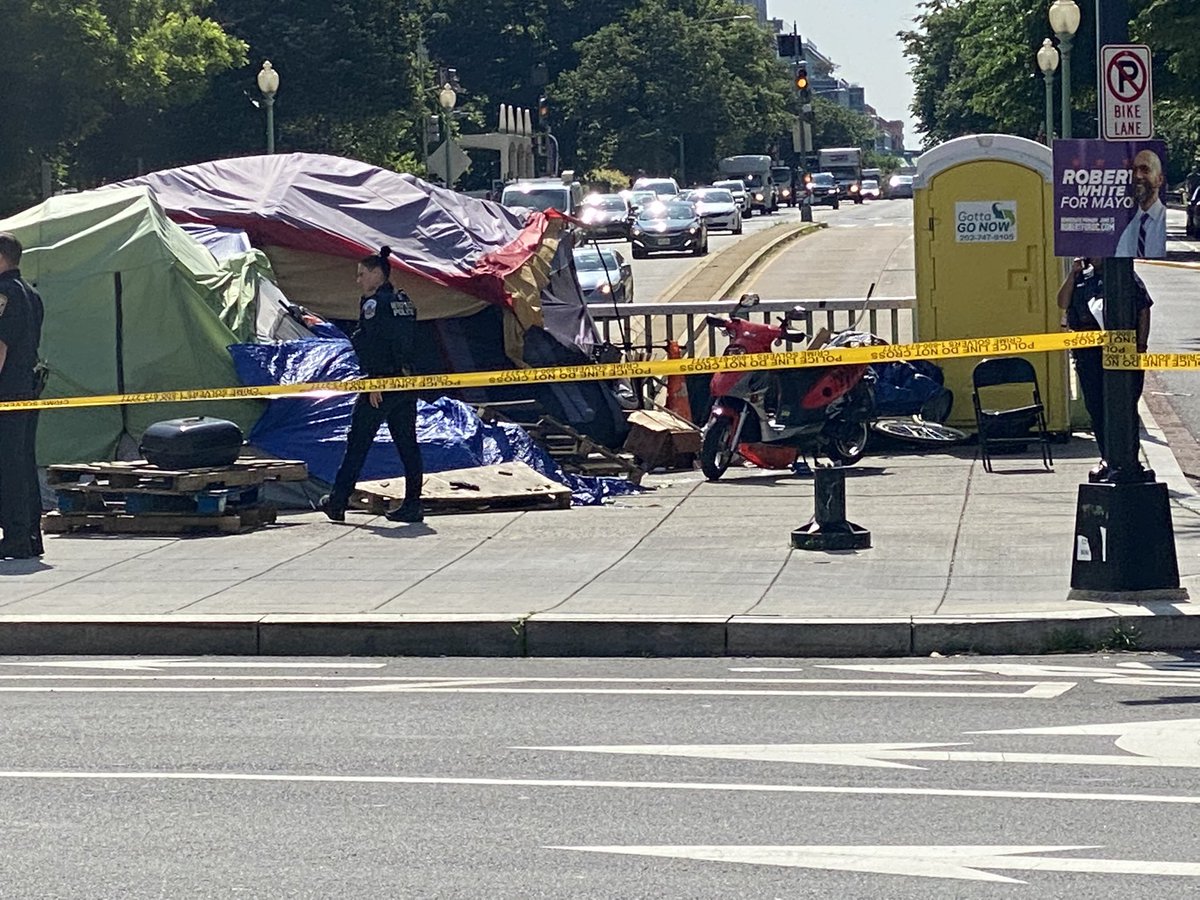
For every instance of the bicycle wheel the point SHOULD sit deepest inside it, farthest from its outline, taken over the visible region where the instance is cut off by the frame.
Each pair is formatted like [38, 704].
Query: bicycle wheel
[916, 430]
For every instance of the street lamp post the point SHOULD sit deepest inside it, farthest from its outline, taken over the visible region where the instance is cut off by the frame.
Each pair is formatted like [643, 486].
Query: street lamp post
[446, 100]
[1064, 22]
[1047, 60]
[682, 176]
[268, 83]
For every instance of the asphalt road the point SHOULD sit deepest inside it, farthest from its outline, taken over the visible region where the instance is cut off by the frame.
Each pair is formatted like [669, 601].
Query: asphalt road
[1060, 777]
[654, 276]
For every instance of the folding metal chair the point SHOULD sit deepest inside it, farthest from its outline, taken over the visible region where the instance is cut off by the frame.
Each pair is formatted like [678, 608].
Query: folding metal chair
[1012, 425]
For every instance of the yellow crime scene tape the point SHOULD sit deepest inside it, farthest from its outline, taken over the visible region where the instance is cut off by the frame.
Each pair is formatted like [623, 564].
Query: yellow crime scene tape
[1119, 353]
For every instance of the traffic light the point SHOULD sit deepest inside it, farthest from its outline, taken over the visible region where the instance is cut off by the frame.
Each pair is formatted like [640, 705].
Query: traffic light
[432, 129]
[802, 87]
[801, 79]
[543, 112]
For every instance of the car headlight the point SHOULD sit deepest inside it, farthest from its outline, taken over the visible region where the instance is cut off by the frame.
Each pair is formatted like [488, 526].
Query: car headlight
[695, 229]
[758, 196]
[854, 188]
[635, 230]
[606, 288]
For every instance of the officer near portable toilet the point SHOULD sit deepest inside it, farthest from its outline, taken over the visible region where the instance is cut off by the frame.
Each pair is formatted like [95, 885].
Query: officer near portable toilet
[983, 222]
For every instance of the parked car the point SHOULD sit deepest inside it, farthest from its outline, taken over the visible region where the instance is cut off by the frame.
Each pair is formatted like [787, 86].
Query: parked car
[823, 190]
[605, 276]
[605, 216]
[737, 187]
[869, 189]
[900, 187]
[668, 225]
[660, 186]
[717, 209]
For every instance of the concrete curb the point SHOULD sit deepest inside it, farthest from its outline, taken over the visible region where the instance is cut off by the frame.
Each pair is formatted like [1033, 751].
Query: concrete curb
[765, 252]
[1154, 627]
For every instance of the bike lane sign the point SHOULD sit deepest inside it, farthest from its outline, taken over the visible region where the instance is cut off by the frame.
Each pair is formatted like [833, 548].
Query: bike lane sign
[1127, 99]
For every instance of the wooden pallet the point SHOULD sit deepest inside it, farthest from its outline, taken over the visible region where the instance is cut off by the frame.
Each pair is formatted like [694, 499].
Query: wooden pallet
[126, 476]
[92, 498]
[574, 451]
[508, 486]
[159, 523]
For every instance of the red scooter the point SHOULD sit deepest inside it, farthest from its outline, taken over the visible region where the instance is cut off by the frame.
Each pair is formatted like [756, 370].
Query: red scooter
[772, 417]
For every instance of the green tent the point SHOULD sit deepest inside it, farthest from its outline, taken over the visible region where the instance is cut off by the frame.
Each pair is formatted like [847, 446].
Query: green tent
[133, 305]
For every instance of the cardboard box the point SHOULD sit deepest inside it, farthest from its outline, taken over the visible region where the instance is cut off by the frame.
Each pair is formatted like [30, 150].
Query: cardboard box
[661, 438]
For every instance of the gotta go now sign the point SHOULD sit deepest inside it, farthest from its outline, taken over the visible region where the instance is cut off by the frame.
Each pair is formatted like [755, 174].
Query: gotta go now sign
[1126, 99]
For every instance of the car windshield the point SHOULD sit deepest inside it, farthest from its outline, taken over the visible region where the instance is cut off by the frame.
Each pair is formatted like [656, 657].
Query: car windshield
[733, 186]
[753, 180]
[822, 179]
[781, 174]
[869, 183]
[659, 187]
[667, 211]
[613, 203]
[711, 196]
[643, 197]
[538, 198]
[590, 261]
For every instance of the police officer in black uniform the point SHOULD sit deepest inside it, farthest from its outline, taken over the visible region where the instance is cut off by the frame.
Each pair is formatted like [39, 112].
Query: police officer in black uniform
[21, 315]
[384, 343]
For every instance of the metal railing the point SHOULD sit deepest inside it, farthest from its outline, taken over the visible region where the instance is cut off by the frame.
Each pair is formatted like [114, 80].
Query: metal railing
[647, 326]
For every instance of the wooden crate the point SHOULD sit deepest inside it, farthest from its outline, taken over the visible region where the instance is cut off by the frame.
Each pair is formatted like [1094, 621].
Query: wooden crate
[159, 523]
[139, 474]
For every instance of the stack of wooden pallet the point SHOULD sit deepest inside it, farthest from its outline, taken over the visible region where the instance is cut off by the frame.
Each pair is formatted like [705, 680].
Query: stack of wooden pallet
[507, 486]
[138, 498]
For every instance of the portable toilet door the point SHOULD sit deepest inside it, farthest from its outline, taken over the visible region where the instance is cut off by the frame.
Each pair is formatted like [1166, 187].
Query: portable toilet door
[984, 232]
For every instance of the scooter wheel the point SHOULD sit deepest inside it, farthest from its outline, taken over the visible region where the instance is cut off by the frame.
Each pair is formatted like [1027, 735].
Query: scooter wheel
[845, 442]
[716, 448]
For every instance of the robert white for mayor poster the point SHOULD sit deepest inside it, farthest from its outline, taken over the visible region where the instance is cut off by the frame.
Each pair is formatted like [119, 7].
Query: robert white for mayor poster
[1108, 199]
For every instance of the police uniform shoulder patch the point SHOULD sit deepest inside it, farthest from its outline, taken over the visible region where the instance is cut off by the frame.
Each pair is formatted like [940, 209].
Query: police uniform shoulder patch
[368, 309]
[3, 302]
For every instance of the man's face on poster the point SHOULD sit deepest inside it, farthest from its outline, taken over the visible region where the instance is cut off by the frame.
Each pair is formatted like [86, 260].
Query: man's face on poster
[1147, 178]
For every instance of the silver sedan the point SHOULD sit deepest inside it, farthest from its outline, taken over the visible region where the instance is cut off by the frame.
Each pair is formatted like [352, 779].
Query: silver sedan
[717, 209]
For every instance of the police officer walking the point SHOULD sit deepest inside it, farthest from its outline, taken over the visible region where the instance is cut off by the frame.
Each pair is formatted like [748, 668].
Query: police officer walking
[384, 343]
[21, 314]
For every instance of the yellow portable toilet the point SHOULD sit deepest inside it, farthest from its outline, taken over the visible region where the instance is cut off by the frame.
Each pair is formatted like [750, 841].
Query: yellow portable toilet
[983, 222]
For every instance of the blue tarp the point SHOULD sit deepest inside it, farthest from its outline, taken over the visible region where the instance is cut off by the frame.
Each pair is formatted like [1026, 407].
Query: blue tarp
[451, 435]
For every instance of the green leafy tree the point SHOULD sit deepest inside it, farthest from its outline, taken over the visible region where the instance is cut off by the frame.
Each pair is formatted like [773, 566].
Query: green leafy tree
[84, 62]
[837, 126]
[663, 76]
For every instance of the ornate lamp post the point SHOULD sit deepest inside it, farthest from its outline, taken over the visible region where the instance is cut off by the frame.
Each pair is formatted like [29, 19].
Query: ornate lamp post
[268, 83]
[1064, 22]
[446, 100]
[1047, 60]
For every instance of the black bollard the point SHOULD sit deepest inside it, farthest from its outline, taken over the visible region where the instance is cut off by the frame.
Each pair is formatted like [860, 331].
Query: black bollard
[806, 211]
[828, 528]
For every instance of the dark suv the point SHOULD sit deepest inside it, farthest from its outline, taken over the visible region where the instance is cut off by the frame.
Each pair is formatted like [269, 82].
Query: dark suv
[823, 189]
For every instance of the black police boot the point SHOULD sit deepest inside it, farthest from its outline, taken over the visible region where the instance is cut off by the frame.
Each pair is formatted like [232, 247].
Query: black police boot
[1099, 473]
[408, 511]
[335, 512]
[15, 549]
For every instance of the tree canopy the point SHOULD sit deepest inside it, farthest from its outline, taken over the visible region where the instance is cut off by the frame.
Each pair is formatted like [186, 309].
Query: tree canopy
[974, 68]
[112, 88]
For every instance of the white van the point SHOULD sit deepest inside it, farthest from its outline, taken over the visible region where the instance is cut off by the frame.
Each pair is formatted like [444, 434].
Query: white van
[660, 186]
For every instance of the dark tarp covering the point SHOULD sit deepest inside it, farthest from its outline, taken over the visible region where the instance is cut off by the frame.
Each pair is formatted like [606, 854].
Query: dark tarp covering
[452, 436]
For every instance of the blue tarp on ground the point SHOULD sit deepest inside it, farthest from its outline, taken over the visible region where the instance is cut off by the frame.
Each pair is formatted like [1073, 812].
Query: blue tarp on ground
[452, 436]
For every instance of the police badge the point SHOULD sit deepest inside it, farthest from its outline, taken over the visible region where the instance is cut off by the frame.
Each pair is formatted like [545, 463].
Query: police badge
[368, 309]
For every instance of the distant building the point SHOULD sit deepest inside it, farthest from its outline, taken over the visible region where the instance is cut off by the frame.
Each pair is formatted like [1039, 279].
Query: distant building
[760, 9]
[824, 83]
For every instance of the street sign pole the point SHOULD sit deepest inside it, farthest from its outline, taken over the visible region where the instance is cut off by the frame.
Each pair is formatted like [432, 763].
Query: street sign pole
[1124, 539]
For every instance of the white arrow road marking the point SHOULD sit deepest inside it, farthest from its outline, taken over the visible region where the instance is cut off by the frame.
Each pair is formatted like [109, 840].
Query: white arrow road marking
[728, 687]
[641, 786]
[154, 665]
[964, 862]
[1135, 673]
[1174, 743]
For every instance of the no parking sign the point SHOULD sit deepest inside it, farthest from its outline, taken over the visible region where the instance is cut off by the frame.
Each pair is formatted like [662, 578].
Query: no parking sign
[1127, 98]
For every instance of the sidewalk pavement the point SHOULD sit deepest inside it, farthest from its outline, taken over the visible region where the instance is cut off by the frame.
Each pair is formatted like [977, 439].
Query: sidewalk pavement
[961, 561]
